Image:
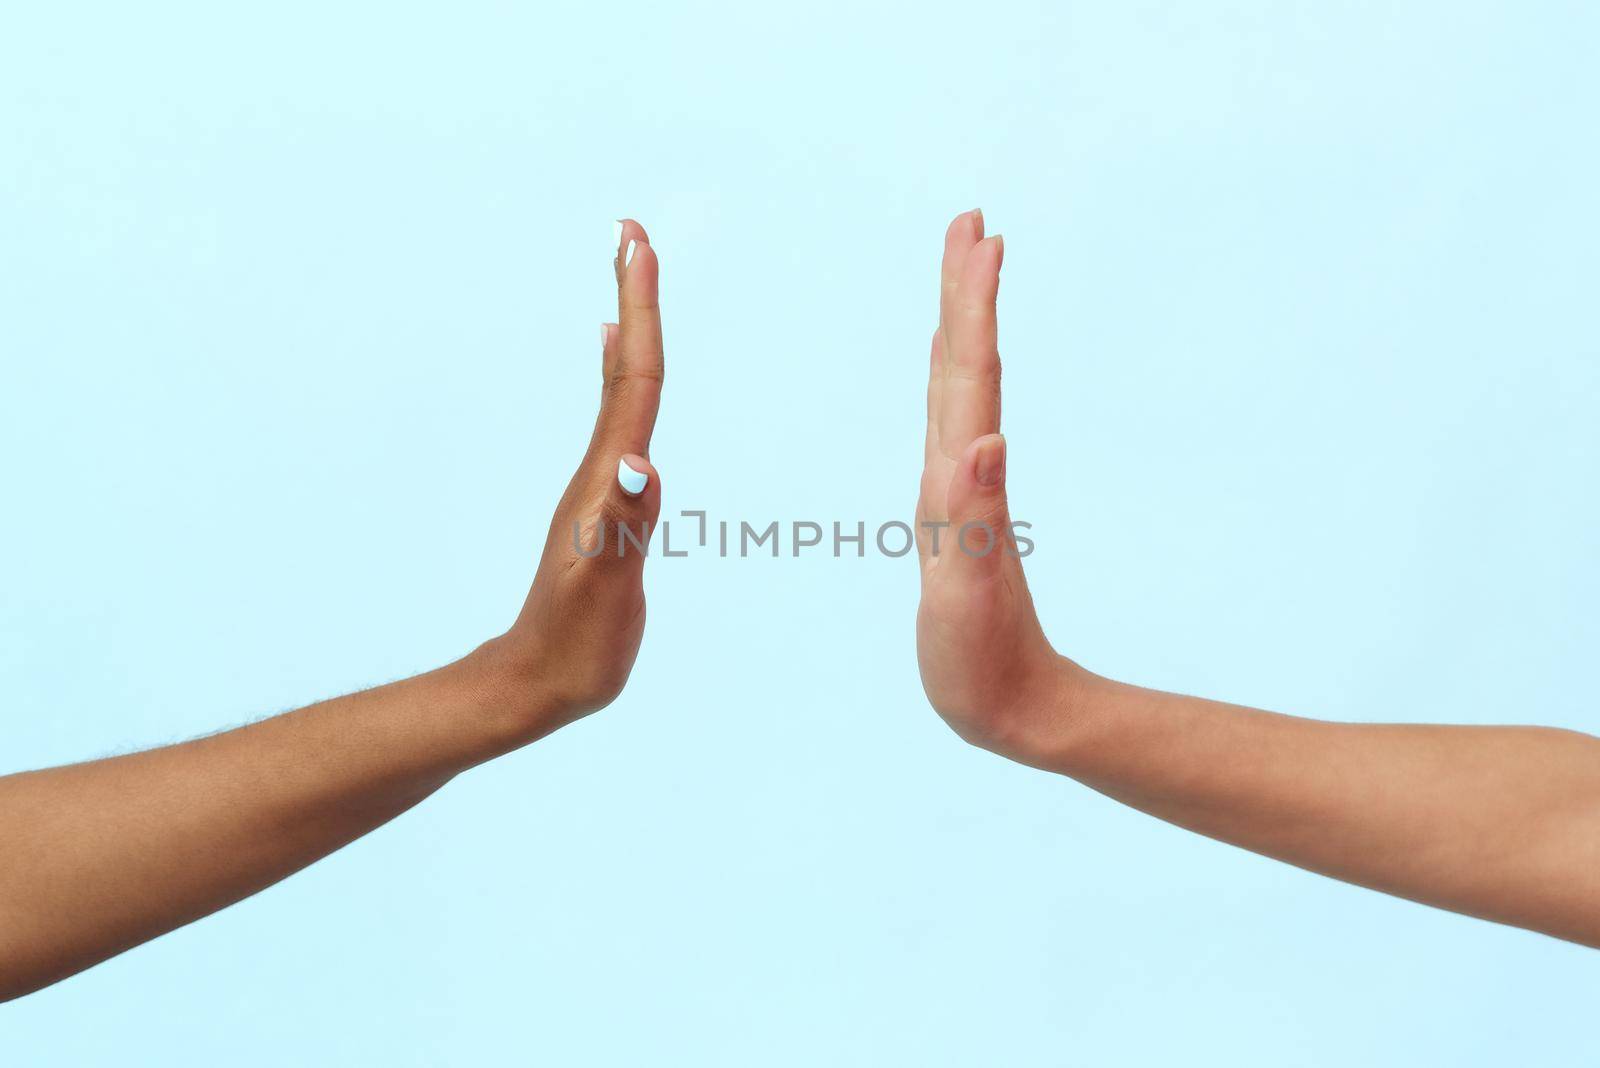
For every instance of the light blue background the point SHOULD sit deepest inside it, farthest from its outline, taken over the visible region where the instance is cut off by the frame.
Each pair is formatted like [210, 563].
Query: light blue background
[298, 319]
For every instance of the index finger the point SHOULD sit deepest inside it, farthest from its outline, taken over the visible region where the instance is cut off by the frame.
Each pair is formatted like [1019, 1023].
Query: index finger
[970, 400]
[634, 375]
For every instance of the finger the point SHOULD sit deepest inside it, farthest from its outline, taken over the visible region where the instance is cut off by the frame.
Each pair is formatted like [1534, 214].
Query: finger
[622, 232]
[970, 401]
[964, 231]
[638, 307]
[978, 541]
[935, 466]
[930, 444]
[609, 335]
[633, 381]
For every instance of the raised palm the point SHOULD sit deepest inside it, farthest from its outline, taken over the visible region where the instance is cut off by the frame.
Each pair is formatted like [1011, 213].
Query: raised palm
[986, 665]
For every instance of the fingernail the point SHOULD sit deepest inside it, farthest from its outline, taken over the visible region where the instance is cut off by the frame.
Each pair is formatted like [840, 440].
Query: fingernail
[977, 217]
[631, 481]
[629, 258]
[616, 234]
[605, 334]
[992, 461]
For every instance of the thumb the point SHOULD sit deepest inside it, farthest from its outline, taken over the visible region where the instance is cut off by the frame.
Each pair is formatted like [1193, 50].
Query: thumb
[629, 511]
[979, 538]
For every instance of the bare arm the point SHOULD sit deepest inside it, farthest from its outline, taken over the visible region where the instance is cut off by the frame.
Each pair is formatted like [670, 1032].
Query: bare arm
[1497, 822]
[96, 858]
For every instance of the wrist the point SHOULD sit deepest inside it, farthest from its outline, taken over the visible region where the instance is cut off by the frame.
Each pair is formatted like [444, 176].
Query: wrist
[514, 707]
[1060, 717]
[1093, 725]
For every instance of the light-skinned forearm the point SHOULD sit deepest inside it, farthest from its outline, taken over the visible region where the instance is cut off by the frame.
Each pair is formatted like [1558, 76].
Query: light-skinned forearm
[1497, 822]
[101, 856]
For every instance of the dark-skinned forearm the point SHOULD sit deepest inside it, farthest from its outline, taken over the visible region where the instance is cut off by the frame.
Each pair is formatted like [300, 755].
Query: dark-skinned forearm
[100, 856]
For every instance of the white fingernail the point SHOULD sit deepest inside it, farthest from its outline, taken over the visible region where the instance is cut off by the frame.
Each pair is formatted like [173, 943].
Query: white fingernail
[629, 258]
[632, 482]
[604, 334]
[616, 234]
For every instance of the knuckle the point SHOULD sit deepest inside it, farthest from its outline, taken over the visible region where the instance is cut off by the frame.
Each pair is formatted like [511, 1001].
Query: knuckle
[628, 384]
[636, 370]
